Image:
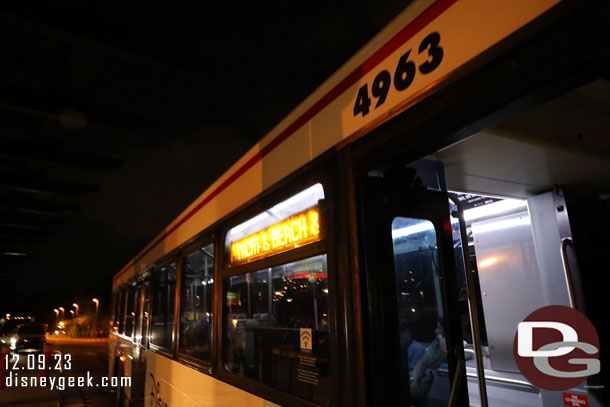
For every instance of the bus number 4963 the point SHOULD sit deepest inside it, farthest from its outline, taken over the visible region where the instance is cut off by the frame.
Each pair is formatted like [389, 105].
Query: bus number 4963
[403, 75]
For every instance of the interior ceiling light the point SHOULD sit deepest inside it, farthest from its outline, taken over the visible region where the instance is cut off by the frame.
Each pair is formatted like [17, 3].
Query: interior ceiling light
[492, 209]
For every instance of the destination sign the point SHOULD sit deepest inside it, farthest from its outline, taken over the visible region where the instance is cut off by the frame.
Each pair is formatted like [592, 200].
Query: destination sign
[296, 231]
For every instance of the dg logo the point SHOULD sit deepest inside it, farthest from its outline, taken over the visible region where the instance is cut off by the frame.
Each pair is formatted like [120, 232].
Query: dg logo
[556, 348]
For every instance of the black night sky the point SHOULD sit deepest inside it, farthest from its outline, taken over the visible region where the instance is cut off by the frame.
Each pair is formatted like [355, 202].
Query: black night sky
[115, 115]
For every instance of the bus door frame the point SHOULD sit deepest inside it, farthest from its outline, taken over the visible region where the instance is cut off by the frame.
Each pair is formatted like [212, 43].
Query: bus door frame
[379, 201]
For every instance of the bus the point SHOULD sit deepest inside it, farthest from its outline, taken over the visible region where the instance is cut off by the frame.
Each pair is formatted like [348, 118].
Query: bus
[380, 246]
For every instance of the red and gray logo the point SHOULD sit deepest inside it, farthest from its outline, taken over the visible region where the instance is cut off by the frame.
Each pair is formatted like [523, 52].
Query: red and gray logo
[556, 348]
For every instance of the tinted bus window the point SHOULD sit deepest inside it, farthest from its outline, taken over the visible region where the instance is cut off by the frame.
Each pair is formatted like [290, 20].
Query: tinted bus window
[164, 296]
[197, 296]
[277, 328]
[116, 298]
[141, 327]
[121, 314]
[420, 312]
[129, 311]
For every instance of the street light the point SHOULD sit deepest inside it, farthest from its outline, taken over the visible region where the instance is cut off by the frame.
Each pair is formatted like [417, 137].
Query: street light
[75, 305]
[62, 312]
[72, 312]
[56, 315]
[97, 306]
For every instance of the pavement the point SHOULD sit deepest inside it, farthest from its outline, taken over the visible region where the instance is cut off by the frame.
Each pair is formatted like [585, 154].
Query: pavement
[29, 397]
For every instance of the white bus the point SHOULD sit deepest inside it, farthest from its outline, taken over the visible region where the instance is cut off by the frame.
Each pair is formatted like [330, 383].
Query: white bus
[380, 245]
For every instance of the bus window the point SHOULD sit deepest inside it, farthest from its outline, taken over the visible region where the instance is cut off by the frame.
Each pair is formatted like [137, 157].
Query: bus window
[129, 311]
[276, 327]
[137, 321]
[116, 298]
[142, 326]
[196, 300]
[420, 312]
[121, 309]
[164, 296]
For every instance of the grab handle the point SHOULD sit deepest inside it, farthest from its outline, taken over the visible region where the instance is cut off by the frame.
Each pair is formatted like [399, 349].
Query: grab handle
[472, 302]
[566, 268]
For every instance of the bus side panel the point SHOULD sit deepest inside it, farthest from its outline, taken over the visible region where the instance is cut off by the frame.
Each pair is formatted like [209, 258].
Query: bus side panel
[173, 383]
[289, 156]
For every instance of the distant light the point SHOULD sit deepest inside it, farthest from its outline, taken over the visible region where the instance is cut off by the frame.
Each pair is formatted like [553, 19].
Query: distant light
[72, 119]
[15, 254]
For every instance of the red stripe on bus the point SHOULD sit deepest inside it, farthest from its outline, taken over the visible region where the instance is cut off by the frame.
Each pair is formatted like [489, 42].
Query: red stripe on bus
[392, 45]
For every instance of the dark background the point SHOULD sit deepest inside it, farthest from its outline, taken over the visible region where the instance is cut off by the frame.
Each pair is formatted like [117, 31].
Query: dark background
[115, 115]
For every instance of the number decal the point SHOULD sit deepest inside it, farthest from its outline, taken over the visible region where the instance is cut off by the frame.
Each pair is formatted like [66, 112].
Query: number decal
[404, 74]
[16, 365]
[381, 87]
[57, 358]
[362, 101]
[431, 44]
[41, 361]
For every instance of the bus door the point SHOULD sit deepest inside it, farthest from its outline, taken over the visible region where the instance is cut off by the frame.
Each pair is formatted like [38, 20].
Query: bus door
[415, 351]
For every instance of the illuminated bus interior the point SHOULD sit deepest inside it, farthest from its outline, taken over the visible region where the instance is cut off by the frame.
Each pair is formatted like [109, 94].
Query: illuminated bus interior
[512, 182]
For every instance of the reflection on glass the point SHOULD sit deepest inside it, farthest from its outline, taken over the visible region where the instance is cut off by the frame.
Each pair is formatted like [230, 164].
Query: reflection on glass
[118, 298]
[129, 311]
[141, 315]
[197, 295]
[164, 298]
[277, 327]
[420, 314]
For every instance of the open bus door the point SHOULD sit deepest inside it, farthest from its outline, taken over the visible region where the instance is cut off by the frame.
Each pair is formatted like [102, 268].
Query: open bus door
[416, 356]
